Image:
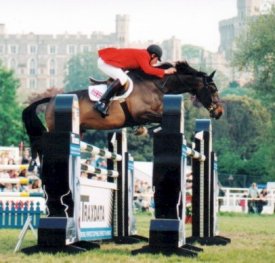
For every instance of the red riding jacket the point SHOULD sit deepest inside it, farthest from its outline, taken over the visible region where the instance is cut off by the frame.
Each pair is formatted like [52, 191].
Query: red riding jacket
[129, 58]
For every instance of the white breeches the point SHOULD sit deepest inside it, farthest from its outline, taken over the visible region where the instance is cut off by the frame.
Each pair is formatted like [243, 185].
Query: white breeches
[113, 72]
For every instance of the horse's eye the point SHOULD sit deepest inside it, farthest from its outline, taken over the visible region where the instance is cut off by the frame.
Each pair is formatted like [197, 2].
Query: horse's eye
[213, 88]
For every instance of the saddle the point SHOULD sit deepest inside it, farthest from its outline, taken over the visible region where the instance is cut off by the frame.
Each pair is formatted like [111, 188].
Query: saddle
[94, 81]
[98, 87]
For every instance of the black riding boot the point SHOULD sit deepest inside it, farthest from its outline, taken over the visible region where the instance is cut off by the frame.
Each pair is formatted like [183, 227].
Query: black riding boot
[103, 104]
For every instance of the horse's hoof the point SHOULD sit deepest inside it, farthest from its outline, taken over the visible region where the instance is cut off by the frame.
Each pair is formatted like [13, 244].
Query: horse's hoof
[141, 131]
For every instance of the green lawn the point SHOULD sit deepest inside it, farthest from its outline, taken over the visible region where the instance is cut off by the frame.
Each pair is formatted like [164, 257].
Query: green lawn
[252, 240]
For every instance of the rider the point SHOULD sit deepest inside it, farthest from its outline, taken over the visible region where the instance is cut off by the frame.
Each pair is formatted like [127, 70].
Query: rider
[113, 62]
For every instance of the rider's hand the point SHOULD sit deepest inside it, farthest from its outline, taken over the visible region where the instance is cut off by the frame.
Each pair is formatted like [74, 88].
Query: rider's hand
[170, 71]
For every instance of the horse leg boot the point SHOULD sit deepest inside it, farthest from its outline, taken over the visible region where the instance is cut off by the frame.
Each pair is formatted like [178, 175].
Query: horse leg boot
[102, 105]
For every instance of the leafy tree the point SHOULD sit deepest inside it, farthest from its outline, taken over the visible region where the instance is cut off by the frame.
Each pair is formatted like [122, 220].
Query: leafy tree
[255, 51]
[238, 91]
[80, 67]
[10, 112]
[191, 52]
[241, 138]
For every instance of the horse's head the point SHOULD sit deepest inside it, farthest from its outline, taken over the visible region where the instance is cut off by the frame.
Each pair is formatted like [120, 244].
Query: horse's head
[202, 86]
[208, 95]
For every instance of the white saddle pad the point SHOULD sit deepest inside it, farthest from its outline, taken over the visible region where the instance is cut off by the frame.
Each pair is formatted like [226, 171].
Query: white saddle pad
[96, 92]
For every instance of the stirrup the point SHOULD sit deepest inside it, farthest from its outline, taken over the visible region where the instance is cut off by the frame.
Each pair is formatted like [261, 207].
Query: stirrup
[102, 108]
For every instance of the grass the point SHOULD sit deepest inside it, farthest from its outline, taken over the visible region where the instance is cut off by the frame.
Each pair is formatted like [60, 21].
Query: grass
[252, 240]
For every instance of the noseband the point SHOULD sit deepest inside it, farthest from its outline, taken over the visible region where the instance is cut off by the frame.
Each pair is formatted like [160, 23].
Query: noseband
[214, 104]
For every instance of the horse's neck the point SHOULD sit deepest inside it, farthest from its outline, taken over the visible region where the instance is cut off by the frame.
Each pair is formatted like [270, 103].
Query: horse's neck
[179, 84]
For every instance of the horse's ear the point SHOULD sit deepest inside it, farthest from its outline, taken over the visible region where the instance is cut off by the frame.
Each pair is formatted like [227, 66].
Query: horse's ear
[211, 76]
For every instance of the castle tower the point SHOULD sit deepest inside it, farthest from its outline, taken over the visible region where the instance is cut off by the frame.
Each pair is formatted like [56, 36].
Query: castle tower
[122, 30]
[247, 8]
[231, 28]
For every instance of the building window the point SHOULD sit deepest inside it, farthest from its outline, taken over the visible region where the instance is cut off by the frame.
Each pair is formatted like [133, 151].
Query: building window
[100, 46]
[52, 67]
[52, 82]
[52, 49]
[32, 49]
[32, 84]
[13, 49]
[32, 67]
[13, 64]
[71, 49]
[85, 48]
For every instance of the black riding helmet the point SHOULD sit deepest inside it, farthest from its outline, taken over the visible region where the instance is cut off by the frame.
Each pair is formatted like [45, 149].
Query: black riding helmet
[155, 49]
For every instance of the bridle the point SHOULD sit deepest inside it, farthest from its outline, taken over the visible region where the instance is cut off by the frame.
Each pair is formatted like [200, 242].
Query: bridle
[212, 89]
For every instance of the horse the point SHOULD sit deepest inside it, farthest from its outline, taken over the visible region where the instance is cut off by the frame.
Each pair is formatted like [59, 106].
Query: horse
[143, 106]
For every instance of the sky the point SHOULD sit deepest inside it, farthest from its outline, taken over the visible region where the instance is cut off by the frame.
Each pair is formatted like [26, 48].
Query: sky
[192, 21]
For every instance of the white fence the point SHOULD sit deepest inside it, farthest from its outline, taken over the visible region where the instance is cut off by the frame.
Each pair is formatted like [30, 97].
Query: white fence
[236, 200]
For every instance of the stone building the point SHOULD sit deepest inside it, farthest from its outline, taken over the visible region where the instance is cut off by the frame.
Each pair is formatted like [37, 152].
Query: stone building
[230, 29]
[39, 61]
[172, 49]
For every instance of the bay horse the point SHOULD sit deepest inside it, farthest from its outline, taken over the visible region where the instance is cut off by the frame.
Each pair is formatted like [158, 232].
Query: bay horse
[143, 106]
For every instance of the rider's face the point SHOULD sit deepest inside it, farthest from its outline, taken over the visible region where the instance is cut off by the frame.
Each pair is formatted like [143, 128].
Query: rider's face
[154, 60]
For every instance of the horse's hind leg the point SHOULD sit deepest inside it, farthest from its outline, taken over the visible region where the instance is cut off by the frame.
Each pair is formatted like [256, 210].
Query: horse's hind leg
[82, 131]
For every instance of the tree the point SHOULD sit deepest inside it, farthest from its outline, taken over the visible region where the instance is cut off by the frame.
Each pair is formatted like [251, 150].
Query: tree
[10, 112]
[80, 67]
[241, 138]
[255, 51]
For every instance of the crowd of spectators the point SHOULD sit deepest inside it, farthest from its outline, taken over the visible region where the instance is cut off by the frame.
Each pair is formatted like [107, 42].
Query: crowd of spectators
[21, 172]
[143, 196]
[97, 162]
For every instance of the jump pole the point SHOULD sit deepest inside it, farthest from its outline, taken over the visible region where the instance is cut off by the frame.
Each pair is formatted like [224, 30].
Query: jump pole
[167, 230]
[204, 191]
[60, 231]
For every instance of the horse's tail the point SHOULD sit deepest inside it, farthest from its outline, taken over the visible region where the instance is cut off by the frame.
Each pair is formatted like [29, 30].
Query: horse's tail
[34, 126]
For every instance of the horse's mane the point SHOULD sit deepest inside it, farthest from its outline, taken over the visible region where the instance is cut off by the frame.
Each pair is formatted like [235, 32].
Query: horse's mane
[182, 68]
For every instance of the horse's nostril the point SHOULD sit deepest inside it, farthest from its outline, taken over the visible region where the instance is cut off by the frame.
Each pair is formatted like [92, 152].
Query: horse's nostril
[219, 113]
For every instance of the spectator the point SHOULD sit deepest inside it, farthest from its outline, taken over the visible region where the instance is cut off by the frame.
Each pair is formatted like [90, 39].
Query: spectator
[253, 194]
[23, 174]
[221, 197]
[3, 174]
[35, 186]
[146, 198]
[11, 161]
[14, 174]
[26, 158]
[90, 162]
[242, 202]
[189, 181]
[263, 200]
[101, 163]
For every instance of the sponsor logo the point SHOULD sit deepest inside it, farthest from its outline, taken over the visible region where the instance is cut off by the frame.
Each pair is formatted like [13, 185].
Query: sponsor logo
[92, 213]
